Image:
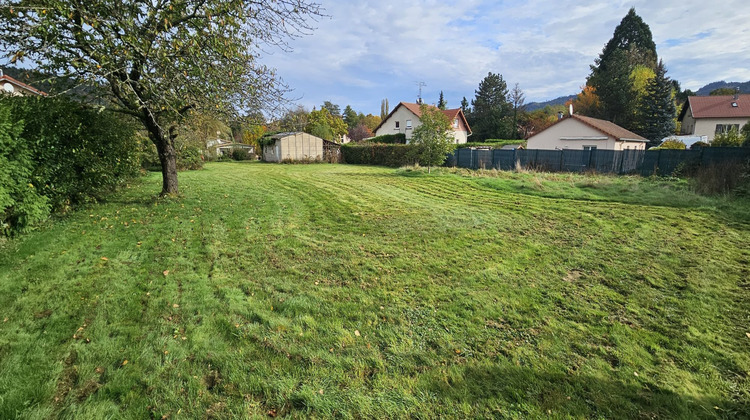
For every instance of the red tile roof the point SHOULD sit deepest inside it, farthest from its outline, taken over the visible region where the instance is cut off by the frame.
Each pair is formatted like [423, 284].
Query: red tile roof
[415, 109]
[717, 106]
[609, 128]
[606, 127]
[23, 85]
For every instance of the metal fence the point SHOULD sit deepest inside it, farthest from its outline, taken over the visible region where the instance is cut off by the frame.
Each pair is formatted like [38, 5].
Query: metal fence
[661, 162]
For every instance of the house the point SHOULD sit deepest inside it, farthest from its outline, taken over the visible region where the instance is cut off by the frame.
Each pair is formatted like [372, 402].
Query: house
[577, 132]
[221, 147]
[298, 146]
[406, 117]
[13, 87]
[711, 115]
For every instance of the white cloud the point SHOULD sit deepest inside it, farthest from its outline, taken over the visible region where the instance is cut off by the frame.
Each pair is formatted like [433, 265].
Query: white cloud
[368, 51]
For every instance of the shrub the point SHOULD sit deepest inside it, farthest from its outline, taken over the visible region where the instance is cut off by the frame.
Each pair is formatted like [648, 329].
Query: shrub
[399, 138]
[731, 138]
[393, 155]
[672, 144]
[78, 152]
[720, 178]
[21, 205]
[240, 154]
[698, 145]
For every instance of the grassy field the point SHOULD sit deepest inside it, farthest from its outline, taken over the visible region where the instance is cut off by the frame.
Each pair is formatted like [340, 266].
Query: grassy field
[334, 290]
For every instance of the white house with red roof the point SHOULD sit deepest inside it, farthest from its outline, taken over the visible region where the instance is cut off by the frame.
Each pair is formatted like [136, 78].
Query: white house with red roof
[578, 132]
[13, 87]
[405, 117]
[712, 115]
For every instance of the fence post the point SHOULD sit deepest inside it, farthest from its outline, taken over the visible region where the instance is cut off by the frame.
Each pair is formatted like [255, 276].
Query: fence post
[560, 161]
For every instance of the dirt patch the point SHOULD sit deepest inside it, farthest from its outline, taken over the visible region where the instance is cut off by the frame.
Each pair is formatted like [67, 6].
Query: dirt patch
[572, 276]
[68, 378]
[43, 314]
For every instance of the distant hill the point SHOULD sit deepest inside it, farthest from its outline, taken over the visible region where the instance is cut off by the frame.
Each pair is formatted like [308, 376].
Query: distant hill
[533, 106]
[706, 90]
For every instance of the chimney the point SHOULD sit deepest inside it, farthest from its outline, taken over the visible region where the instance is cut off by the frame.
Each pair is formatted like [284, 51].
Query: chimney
[736, 93]
[560, 115]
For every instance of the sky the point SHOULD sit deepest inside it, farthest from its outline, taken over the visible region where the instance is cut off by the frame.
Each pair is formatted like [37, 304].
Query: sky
[365, 51]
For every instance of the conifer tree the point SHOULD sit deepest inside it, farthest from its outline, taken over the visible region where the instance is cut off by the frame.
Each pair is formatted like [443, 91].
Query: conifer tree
[631, 46]
[490, 108]
[441, 102]
[657, 110]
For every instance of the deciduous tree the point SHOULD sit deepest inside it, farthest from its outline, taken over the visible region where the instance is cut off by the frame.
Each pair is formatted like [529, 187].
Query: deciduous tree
[159, 59]
[433, 135]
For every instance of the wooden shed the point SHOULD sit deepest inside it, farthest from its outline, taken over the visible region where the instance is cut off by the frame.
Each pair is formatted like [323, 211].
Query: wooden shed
[297, 147]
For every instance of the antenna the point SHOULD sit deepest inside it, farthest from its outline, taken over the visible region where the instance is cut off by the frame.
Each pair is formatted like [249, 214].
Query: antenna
[420, 84]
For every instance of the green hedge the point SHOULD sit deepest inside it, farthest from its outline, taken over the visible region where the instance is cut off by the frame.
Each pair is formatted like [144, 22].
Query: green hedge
[67, 152]
[21, 204]
[399, 138]
[394, 155]
[494, 143]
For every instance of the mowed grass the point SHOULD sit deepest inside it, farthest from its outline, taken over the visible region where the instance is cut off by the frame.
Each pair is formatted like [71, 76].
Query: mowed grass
[345, 291]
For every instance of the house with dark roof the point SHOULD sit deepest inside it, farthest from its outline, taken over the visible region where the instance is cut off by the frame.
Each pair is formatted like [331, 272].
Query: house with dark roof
[578, 132]
[712, 115]
[13, 87]
[406, 116]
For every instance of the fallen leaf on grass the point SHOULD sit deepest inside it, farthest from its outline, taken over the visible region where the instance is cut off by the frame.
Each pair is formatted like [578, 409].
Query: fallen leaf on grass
[105, 259]
[165, 272]
[271, 413]
[356, 332]
[175, 305]
[124, 362]
[747, 334]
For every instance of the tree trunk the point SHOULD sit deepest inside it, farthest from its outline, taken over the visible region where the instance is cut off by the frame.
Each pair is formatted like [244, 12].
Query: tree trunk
[164, 143]
[168, 159]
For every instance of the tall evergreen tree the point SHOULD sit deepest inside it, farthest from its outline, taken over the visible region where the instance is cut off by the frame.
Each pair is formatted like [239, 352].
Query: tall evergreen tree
[442, 104]
[350, 117]
[631, 46]
[490, 109]
[465, 106]
[332, 108]
[657, 110]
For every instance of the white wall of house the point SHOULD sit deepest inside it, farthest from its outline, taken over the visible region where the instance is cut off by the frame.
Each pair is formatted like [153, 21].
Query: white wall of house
[399, 123]
[404, 121]
[572, 134]
[707, 126]
[295, 146]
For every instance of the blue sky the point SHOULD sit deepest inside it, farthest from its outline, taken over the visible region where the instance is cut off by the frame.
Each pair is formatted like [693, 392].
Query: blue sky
[365, 51]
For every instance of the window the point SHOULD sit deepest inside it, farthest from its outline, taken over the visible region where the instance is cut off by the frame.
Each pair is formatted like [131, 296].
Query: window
[398, 124]
[725, 128]
[455, 123]
[589, 147]
[408, 124]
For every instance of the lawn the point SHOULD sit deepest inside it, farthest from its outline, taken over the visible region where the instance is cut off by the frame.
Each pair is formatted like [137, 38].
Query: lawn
[346, 291]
